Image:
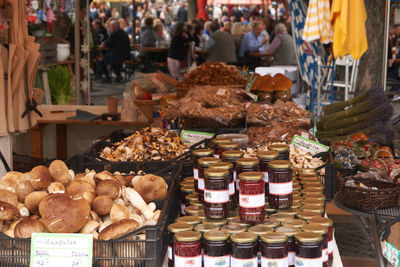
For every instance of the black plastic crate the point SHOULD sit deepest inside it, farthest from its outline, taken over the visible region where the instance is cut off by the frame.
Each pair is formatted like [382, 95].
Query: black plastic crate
[329, 178]
[124, 251]
[22, 163]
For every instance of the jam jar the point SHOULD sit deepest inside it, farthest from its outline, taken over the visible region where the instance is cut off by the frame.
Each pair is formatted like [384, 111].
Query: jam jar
[195, 211]
[251, 197]
[198, 154]
[184, 192]
[282, 149]
[189, 198]
[313, 208]
[172, 229]
[280, 184]
[227, 147]
[216, 193]
[196, 202]
[327, 223]
[320, 229]
[308, 249]
[307, 215]
[274, 250]
[203, 165]
[290, 232]
[187, 249]
[218, 222]
[307, 172]
[296, 223]
[216, 249]
[259, 230]
[247, 165]
[281, 217]
[216, 142]
[188, 179]
[232, 196]
[270, 223]
[193, 220]
[231, 156]
[312, 189]
[265, 157]
[186, 184]
[205, 228]
[236, 220]
[244, 249]
[233, 228]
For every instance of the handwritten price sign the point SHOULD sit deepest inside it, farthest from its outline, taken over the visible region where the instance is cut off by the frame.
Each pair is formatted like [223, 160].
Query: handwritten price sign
[61, 250]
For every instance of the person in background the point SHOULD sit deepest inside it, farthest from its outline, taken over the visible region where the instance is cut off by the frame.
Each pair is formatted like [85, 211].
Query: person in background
[148, 37]
[93, 11]
[182, 13]
[237, 33]
[126, 28]
[100, 32]
[197, 38]
[161, 38]
[177, 53]
[232, 19]
[227, 26]
[253, 41]
[104, 12]
[115, 13]
[245, 18]
[207, 31]
[221, 45]
[282, 47]
[217, 12]
[190, 31]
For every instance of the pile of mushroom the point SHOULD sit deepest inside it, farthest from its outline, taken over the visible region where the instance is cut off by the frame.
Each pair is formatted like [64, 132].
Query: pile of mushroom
[56, 200]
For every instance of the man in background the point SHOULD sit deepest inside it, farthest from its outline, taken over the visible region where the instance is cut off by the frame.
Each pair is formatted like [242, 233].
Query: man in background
[253, 41]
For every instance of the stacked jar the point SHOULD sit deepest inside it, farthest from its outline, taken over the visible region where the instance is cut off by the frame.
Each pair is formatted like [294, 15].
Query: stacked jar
[251, 197]
[244, 249]
[280, 184]
[187, 249]
[198, 154]
[265, 157]
[203, 164]
[290, 232]
[185, 190]
[246, 165]
[229, 146]
[229, 167]
[308, 249]
[327, 223]
[274, 250]
[216, 193]
[282, 149]
[216, 249]
[319, 229]
[215, 143]
[172, 229]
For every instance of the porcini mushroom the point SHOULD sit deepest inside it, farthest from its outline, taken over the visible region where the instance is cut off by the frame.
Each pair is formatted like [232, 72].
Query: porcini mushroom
[151, 187]
[59, 172]
[118, 229]
[40, 177]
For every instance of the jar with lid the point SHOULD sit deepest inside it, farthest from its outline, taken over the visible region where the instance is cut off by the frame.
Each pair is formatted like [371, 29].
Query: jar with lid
[259, 230]
[314, 195]
[265, 157]
[198, 154]
[247, 165]
[196, 202]
[172, 229]
[186, 184]
[215, 143]
[270, 223]
[274, 250]
[236, 220]
[244, 249]
[308, 249]
[251, 197]
[320, 229]
[231, 156]
[268, 210]
[203, 165]
[307, 172]
[291, 211]
[195, 211]
[304, 179]
[216, 249]
[184, 191]
[307, 184]
[187, 248]
[189, 198]
[205, 228]
[296, 223]
[193, 220]
[280, 184]
[311, 201]
[313, 208]
[218, 222]
[233, 228]
[226, 147]
[327, 223]
[307, 215]
[216, 193]
[290, 232]
[312, 189]
[228, 166]
[188, 179]
[281, 217]
[282, 149]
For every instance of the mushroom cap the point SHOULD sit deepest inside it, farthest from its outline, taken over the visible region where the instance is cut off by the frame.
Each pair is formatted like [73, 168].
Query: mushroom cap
[62, 214]
[56, 187]
[77, 188]
[9, 197]
[102, 204]
[33, 199]
[119, 212]
[8, 212]
[90, 227]
[104, 175]
[40, 177]
[151, 187]
[26, 227]
[60, 173]
[118, 229]
[23, 189]
[111, 188]
[87, 178]
[10, 180]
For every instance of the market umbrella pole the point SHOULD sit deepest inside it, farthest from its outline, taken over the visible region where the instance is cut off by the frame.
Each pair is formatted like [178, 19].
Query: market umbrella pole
[385, 45]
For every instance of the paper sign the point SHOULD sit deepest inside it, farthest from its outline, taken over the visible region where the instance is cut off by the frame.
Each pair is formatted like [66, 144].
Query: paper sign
[391, 253]
[308, 145]
[61, 250]
[193, 137]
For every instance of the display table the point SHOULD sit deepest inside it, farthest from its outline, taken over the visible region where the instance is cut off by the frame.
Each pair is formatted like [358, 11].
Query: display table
[58, 114]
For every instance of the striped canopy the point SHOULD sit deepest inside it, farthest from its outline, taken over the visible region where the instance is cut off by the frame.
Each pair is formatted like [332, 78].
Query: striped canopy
[318, 23]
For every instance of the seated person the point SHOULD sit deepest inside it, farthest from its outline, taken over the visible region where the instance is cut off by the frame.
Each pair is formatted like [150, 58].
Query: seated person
[253, 41]
[221, 45]
[282, 47]
[148, 37]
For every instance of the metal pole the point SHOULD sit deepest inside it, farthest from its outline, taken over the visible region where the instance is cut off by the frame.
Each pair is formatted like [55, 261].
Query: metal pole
[385, 45]
[77, 53]
[88, 54]
[134, 22]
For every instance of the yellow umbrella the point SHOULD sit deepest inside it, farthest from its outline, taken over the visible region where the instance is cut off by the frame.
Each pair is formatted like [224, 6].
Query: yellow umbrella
[318, 25]
[348, 18]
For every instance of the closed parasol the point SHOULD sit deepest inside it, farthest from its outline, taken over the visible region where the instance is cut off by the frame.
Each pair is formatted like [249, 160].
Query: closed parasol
[318, 24]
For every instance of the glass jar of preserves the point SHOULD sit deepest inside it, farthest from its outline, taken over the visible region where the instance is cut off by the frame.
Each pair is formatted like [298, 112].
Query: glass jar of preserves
[215, 143]
[203, 165]
[319, 229]
[308, 249]
[231, 156]
[172, 229]
[226, 147]
[192, 220]
[307, 172]
[311, 201]
[205, 228]
[216, 193]
[281, 217]
[186, 184]
[198, 154]
[236, 220]
[268, 210]
[247, 165]
[184, 191]
[265, 157]
[291, 211]
[251, 197]
[216, 249]
[187, 248]
[327, 223]
[259, 230]
[233, 228]
[270, 223]
[189, 198]
[188, 179]
[307, 215]
[195, 211]
[228, 166]
[274, 250]
[282, 149]
[244, 249]
[312, 189]
[313, 208]
[307, 184]
[313, 178]
[218, 222]
[314, 196]
[196, 202]
[290, 232]
[296, 223]
[280, 184]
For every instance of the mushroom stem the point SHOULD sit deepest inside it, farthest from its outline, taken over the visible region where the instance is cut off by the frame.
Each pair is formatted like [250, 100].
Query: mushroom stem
[137, 201]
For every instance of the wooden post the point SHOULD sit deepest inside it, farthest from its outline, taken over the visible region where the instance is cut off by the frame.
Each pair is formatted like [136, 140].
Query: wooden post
[77, 54]
[6, 150]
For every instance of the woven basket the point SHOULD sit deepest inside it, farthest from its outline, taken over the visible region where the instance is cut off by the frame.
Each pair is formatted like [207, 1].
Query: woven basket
[365, 199]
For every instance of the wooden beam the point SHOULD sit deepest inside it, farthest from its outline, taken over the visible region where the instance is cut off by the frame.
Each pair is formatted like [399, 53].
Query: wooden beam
[36, 141]
[6, 150]
[61, 135]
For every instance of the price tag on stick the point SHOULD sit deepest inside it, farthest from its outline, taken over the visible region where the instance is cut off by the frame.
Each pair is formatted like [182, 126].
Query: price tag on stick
[309, 145]
[61, 250]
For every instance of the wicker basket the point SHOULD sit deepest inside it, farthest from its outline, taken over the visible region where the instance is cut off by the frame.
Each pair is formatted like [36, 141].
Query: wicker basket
[366, 199]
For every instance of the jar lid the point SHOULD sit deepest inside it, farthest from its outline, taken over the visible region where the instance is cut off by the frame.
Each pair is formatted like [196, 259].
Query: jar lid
[270, 222]
[233, 154]
[313, 201]
[296, 187]
[312, 190]
[267, 154]
[268, 209]
[236, 220]
[233, 228]
[187, 236]
[315, 228]
[288, 230]
[280, 164]
[195, 211]
[222, 165]
[221, 140]
[279, 147]
[313, 208]
[203, 152]
[247, 162]
[196, 202]
[295, 181]
[229, 145]
[307, 237]
[187, 189]
[244, 237]
[204, 228]
[297, 223]
[296, 205]
[274, 238]
[308, 215]
[314, 186]
[260, 229]
[207, 161]
[309, 178]
[322, 221]
[290, 211]
[281, 217]
[215, 173]
[251, 176]
[191, 197]
[218, 222]
[189, 179]
[179, 227]
[306, 171]
[314, 195]
[216, 235]
[193, 220]
[310, 183]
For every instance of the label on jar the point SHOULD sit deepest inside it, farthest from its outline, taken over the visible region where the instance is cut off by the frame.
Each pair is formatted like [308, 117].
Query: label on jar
[291, 257]
[216, 156]
[183, 206]
[223, 261]
[231, 188]
[234, 175]
[216, 196]
[188, 261]
[170, 253]
[303, 262]
[325, 254]
[266, 262]
[252, 201]
[330, 247]
[195, 173]
[265, 177]
[235, 262]
[200, 183]
[280, 188]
